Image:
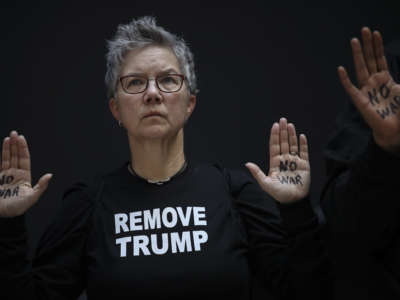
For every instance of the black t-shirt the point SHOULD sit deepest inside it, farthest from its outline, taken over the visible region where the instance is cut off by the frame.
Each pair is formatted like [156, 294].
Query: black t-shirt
[203, 234]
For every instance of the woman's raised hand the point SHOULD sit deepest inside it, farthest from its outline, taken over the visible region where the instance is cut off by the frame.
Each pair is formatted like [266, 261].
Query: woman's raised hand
[378, 95]
[16, 192]
[289, 176]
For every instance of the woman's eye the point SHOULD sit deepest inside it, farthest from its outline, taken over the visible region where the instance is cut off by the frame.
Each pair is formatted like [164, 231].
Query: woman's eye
[168, 79]
[135, 81]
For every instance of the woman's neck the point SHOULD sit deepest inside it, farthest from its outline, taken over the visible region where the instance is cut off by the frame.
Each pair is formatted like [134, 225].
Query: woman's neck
[157, 160]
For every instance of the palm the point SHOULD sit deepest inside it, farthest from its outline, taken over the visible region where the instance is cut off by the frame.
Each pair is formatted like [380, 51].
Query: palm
[378, 98]
[289, 177]
[16, 192]
[384, 106]
[293, 184]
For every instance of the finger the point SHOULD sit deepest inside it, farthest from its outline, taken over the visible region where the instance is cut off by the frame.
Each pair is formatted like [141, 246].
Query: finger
[41, 186]
[293, 146]
[359, 63]
[6, 153]
[362, 103]
[303, 147]
[274, 146]
[379, 51]
[353, 91]
[257, 173]
[14, 149]
[369, 50]
[24, 161]
[283, 136]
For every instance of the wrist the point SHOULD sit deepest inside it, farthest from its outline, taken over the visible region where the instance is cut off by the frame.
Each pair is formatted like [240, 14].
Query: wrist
[390, 147]
[295, 215]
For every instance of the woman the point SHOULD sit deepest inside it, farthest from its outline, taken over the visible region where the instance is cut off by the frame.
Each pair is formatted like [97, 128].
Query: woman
[160, 226]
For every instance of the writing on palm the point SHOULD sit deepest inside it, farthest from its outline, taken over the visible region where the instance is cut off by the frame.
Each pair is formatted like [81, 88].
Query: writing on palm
[383, 95]
[7, 187]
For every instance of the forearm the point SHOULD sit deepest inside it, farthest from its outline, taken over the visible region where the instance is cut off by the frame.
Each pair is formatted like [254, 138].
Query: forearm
[15, 268]
[55, 271]
[291, 258]
[309, 268]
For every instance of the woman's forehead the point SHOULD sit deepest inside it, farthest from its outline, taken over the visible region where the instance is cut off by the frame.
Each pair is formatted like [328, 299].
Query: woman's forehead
[150, 59]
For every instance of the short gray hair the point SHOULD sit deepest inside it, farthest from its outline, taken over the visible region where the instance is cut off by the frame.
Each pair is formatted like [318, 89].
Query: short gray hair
[140, 33]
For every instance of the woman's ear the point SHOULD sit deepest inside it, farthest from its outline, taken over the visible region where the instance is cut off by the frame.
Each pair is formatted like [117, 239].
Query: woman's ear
[191, 106]
[114, 108]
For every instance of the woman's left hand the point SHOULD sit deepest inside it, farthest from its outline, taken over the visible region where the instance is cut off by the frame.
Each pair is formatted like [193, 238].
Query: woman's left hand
[289, 176]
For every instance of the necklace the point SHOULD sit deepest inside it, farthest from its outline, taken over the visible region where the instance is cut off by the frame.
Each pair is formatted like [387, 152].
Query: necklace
[158, 182]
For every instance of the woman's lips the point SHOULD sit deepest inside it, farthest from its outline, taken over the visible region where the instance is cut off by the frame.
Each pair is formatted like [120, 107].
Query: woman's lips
[153, 115]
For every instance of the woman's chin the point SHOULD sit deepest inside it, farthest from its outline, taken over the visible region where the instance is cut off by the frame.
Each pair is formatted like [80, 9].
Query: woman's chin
[156, 132]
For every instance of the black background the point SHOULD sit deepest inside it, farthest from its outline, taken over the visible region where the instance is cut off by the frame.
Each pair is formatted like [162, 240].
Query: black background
[255, 61]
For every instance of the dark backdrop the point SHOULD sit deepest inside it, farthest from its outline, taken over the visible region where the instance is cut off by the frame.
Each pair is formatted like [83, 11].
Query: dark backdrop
[256, 62]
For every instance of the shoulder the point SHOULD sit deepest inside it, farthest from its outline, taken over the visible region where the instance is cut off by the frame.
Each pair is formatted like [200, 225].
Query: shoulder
[237, 178]
[84, 188]
[87, 189]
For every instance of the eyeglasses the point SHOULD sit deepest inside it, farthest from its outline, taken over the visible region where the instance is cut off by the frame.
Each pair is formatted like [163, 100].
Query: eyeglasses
[170, 83]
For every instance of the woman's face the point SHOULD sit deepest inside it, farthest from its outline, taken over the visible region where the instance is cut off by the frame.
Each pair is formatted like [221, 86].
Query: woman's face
[132, 109]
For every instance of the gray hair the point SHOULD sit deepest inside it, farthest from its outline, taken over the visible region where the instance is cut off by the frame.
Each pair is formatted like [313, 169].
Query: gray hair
[140, 33]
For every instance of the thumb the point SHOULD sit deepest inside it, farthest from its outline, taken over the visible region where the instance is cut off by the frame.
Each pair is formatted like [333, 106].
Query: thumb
[264, 181]
[42, 185]
[257, 173]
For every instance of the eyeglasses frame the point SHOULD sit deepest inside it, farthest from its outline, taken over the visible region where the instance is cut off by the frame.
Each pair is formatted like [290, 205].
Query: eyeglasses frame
[147, 82]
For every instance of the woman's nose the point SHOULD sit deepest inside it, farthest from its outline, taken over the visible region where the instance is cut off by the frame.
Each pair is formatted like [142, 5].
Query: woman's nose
[152, 92]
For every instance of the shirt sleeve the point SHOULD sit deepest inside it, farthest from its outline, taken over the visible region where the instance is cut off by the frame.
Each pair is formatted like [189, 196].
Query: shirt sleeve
[285, 252]
[57, 268]
[364, 195]
[362, 206]
[377, 165]
[377, 192]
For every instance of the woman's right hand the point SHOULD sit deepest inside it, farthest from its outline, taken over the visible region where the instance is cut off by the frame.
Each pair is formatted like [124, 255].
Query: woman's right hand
[16, 192]
[378, 95]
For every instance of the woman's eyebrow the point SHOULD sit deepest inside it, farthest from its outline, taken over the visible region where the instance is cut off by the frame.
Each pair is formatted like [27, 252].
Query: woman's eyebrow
[135, 74]
[169, 70]
[166, 71]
